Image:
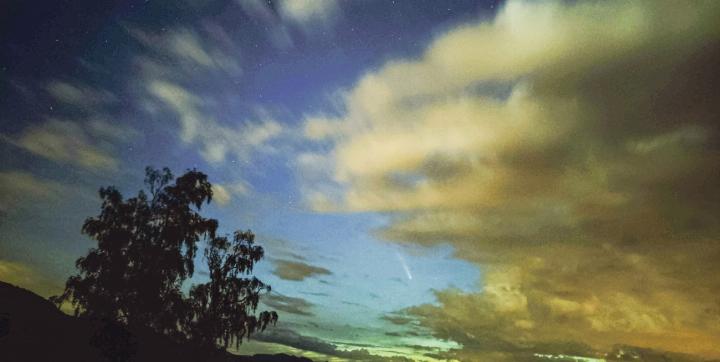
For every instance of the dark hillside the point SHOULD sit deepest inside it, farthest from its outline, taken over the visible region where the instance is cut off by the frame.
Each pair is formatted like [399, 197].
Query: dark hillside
[32, 329]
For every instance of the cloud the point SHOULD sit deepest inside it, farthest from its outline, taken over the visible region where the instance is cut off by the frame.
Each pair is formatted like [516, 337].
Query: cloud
[22, 275]
[87, 143]
[287, 304]
[67, 142]
[297, 270]
[277, 31]
[312, 17]
[188, 49]
[80, 95]
[306, 343]
[398, 319]
[113, 131]
[220, 194]
[216, 141]
[315, 175]
[567, 149]
[309, 13]
[223, 193]
[16, 187]
[173, 72]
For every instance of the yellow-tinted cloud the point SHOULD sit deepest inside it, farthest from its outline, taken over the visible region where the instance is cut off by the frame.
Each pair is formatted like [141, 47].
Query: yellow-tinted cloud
[223, 193]
[18, 185]
[65, 142]
[21, 275]
[220, 194]
[568, 149]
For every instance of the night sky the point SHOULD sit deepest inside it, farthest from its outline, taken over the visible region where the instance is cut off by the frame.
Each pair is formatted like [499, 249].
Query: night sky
[431, 180]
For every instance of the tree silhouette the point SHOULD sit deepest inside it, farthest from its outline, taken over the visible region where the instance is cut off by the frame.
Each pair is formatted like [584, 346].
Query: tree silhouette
[146, 247]
[221, 309]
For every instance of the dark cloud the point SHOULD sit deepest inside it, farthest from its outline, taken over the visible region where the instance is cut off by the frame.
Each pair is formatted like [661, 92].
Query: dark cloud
[353, 304]
[297, 270]
[293, 339]
[398, 319]
[287, 304]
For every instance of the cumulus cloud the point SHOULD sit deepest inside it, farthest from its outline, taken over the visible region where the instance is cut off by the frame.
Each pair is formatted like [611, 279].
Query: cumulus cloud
[220, 194]
[297, 270]
[569, 150]
[223, 193]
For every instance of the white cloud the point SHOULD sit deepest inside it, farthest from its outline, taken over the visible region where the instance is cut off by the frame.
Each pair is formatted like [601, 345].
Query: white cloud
[308, 13]
[187, 49]
[313, 17]
[216, 141]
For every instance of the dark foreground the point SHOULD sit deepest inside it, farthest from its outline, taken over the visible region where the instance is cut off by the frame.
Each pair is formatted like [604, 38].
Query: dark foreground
[32, 329]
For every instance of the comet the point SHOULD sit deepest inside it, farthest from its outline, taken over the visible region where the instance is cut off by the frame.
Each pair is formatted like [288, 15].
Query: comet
[404, 265]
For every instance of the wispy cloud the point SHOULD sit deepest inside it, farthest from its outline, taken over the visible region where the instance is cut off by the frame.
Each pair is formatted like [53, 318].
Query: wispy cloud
[216, 141]
[24, 276]
[185, 48]
[17, 187]
[277, 31]
[310, 13]
[79, 95]
[311, 17]
[68, 142]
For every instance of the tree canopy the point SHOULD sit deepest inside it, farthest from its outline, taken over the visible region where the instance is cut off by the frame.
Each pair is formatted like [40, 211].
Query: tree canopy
[146, 247]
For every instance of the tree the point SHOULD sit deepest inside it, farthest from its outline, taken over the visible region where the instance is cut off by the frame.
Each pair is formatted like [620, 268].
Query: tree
[145, 252]
[221, 309]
